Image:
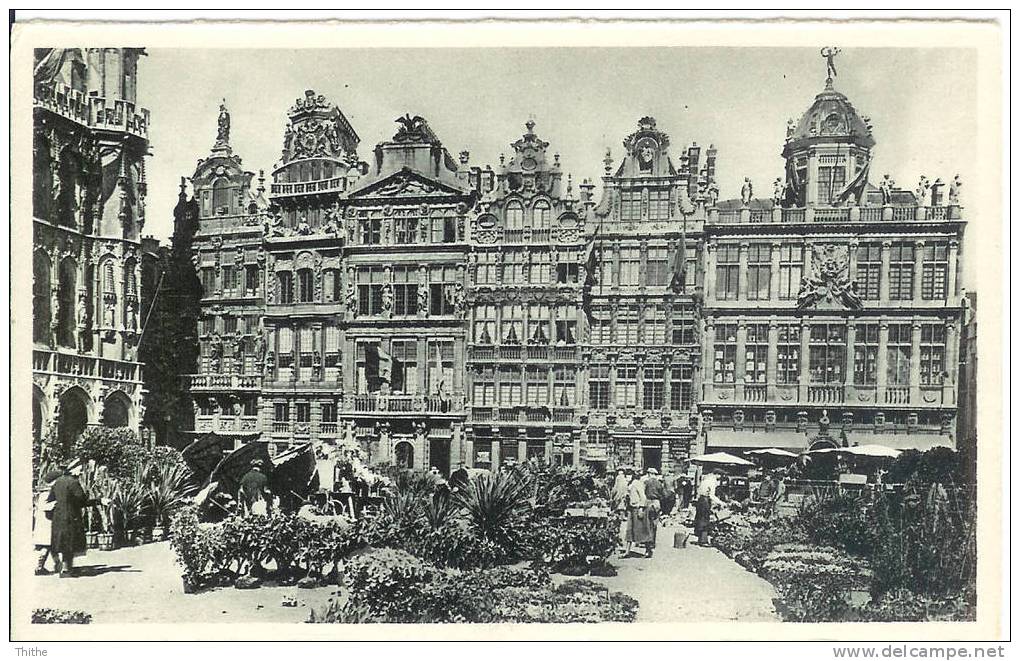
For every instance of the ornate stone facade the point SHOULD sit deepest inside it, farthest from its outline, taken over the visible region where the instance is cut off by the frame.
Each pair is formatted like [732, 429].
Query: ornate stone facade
[90, 142]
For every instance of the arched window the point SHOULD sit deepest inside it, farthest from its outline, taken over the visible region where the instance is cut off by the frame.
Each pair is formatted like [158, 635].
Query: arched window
[41, 297]
[285, 280]
[109, 283]
[130, 281]
[541, 215]
[514, 216]
[305, 289]
[66, 291]
[221, 196]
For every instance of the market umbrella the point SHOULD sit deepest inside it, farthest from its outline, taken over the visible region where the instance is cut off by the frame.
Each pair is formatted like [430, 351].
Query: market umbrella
[773, 452]
[721, 458]
[880, 451]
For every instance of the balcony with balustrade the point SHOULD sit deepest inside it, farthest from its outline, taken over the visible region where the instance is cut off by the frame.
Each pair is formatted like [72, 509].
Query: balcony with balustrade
[93, 111]
[529, 352]
[331, 185]
[201, 382]
[830, 395]
[403, 406]
[74, 365]
[834, 215]
[524, 415]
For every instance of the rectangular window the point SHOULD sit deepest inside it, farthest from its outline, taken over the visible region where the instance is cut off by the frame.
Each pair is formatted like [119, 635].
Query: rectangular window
[898, 350]
[567, 273]
[541, 267]
[303, 412]
[756, 351]
[406, 228]
[657, 268]
[370, 231]
[791, 269]
[285, 337]
[681, 387]
[725, 353]
[487, 268]
[827, 353]
[483, 389]
[658, 204]
[539, 324]
[404, 372]
[727, 272]
[934, 272]
[251, 406]
[251, 280]
[281, 412]
[626, 386]
[759, 271]
[869, 271]
[513, 267]
[370, 290]
[601, 327]
[332, 346]
[630, 205]
[901, 272]
[439, 379]
[933, 354]
[683, 325]
[831, 181]
[405, 291]
[866, 355]
[485, 324]
[566, 325]
[655, 326]
[512, 324]
[208, 281]
[653, 388]
[598, 387]
[327, 411]
[369, 359]
[627, 326]
[229, 279]
[564, 386]
[630, 267]
[537, 379]
[510, 386]
[788, 354]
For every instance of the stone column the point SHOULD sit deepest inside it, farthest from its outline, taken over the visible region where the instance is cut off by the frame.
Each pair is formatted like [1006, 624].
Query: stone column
[805, 361]
[708, 369]
[852, 249]
[851, 338]
[949, 384]
[741, 364]
[808, 249]
[772, 361]
[742, 272]
[883, 280]
[495, 451]
[915, 361]
[639, 457]
[882, 364]
[576, 437]
[710, 249]
[918, 269]
[456, 445]
[951, 294]
[522, 445]
[774, 277]
[469, 447]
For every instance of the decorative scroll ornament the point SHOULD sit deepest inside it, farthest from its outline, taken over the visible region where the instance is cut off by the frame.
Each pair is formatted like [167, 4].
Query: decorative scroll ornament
[829, 285]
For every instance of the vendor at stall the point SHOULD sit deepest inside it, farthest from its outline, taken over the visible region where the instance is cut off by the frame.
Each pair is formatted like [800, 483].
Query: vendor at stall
[707, 499]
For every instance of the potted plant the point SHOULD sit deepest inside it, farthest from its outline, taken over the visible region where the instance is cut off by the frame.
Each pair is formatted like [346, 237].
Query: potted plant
[169, 489]
[128, 500]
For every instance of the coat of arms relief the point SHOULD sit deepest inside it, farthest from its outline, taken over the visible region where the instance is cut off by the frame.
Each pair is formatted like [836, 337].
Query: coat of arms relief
[828, 285]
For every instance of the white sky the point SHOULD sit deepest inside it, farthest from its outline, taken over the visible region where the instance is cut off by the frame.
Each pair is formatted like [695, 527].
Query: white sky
[922, 103]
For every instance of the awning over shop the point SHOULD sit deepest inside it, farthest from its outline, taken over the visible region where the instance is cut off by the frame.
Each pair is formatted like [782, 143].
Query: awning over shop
[719, 439]
[918, 441]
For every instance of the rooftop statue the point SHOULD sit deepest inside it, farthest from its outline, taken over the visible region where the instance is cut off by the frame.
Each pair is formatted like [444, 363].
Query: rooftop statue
[223, 124]
[830, 53]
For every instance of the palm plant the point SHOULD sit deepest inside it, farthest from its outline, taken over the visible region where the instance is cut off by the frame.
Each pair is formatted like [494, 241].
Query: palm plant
[169, 488]
[129, 500]
[438, 509]
[495, 506]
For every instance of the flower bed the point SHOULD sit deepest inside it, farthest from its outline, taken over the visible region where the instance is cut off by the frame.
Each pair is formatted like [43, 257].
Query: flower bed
[393, 586]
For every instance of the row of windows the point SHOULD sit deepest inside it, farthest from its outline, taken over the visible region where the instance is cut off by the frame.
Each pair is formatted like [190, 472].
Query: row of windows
[520, 266]
[402, 368]
[409, 229]
[646, 385]
[657, 269]
[636, 325]
[532, 386]
[302, 411]
[827, 354]
[516, 216]
[934, 260]
[232, 279]
[631, 204]
[517, 324]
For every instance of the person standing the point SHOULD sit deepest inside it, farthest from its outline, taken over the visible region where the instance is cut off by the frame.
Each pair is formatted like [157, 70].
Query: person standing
[619, 498]
[254, 486]
[639, 530]
[67, 531]
[654, 494]
[42, 525]
[703, 506]
[459, 478]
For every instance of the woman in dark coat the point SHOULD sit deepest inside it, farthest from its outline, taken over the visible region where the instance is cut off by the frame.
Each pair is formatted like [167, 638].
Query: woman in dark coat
[67, 535]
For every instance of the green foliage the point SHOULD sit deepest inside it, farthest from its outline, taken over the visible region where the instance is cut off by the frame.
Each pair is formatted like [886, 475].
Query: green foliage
[574, 542]
[168, 488]
[58, 616]
[415, 592]
[843, 519]
[902, 605]
[118, 449]
[561, 486]
[495, 506]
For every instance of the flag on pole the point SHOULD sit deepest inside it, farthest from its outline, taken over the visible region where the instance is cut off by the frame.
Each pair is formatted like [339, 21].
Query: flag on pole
[856, 187]
[678, 267]
[592, 261]
[378, 366]
[795, 188]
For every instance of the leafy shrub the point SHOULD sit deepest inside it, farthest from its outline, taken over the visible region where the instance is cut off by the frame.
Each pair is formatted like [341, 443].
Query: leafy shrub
[557, 487]
[905, 606]
[495, 507]
[417, 593]
[116, 448]
[58, 616]
[749, 544]
[842, 519]
[572, 541]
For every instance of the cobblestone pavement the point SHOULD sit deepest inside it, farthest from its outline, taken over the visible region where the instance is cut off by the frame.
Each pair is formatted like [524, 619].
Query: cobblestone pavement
[143, 584]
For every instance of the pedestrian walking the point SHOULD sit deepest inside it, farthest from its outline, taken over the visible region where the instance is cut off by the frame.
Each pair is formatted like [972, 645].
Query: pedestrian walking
[67, 532]
[703, 507]
[619, 497]
[639, 529]
[253, 494]
[42, 524]
[654, 493]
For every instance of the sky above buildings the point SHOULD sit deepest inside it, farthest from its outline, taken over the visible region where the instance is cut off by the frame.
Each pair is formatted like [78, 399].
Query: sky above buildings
[922, 104]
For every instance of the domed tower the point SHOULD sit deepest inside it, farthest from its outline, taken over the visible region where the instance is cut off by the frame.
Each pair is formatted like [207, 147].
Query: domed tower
[828, 151]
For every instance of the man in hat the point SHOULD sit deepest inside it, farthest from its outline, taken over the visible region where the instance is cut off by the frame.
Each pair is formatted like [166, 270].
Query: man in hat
[42, 524]
[254, 486]
[67, 530]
